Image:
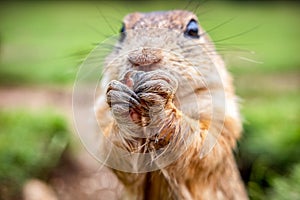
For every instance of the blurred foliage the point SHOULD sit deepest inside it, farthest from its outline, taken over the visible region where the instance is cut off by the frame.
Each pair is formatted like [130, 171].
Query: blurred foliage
[44, 43]
[30, 146]
[287, 188]
[270, 145]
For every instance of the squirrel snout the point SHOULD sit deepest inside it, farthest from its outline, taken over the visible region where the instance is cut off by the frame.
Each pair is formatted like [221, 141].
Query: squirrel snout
[144, 56]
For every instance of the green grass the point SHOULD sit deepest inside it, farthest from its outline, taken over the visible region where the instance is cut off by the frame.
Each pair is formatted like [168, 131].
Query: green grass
[43, 42]
[270, 144]
[287, 188]
[30, 146]
[272, 128]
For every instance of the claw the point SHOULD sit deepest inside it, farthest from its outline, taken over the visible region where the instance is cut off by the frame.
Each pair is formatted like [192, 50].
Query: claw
[159, 87]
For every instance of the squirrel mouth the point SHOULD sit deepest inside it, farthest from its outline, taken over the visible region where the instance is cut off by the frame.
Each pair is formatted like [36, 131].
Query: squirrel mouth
[146, 68]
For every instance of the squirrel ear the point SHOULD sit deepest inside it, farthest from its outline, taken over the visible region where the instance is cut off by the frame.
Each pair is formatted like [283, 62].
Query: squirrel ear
[192, 29]
[130, 19]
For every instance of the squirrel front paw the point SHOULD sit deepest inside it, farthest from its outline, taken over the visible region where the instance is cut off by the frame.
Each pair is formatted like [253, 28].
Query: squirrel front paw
[141, 97]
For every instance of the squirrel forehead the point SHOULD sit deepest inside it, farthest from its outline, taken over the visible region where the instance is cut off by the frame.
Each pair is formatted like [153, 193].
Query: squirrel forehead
[176, 19]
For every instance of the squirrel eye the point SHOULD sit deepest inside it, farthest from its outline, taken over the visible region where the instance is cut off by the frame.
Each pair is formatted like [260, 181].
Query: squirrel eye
[123, 32]
[192, 29]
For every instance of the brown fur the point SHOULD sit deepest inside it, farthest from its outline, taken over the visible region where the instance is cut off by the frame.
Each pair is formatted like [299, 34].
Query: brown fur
[214, 176]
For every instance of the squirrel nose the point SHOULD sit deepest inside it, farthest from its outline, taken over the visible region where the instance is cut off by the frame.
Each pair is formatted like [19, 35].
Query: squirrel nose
[145, 56]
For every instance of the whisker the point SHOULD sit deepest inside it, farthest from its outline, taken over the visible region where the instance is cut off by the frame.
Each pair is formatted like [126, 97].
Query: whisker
[237, 49]
[97, 31]
[233, 44]
[237, 35]
[107, 45]
[218, 26]
[106, 21]
[117, 12]
[198, 6]
[188, 4]
[217, 46]
[204, 12]
[251, 60]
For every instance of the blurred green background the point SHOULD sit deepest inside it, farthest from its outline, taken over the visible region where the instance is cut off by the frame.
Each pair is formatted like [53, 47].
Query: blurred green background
[43, 43]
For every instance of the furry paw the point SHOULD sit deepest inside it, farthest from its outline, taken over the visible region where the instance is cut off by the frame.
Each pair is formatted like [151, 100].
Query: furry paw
[141, 95]
[123, 102]
[155, 88]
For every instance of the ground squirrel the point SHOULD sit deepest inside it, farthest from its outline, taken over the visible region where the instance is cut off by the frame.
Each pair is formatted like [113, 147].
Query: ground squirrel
[166, 91]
